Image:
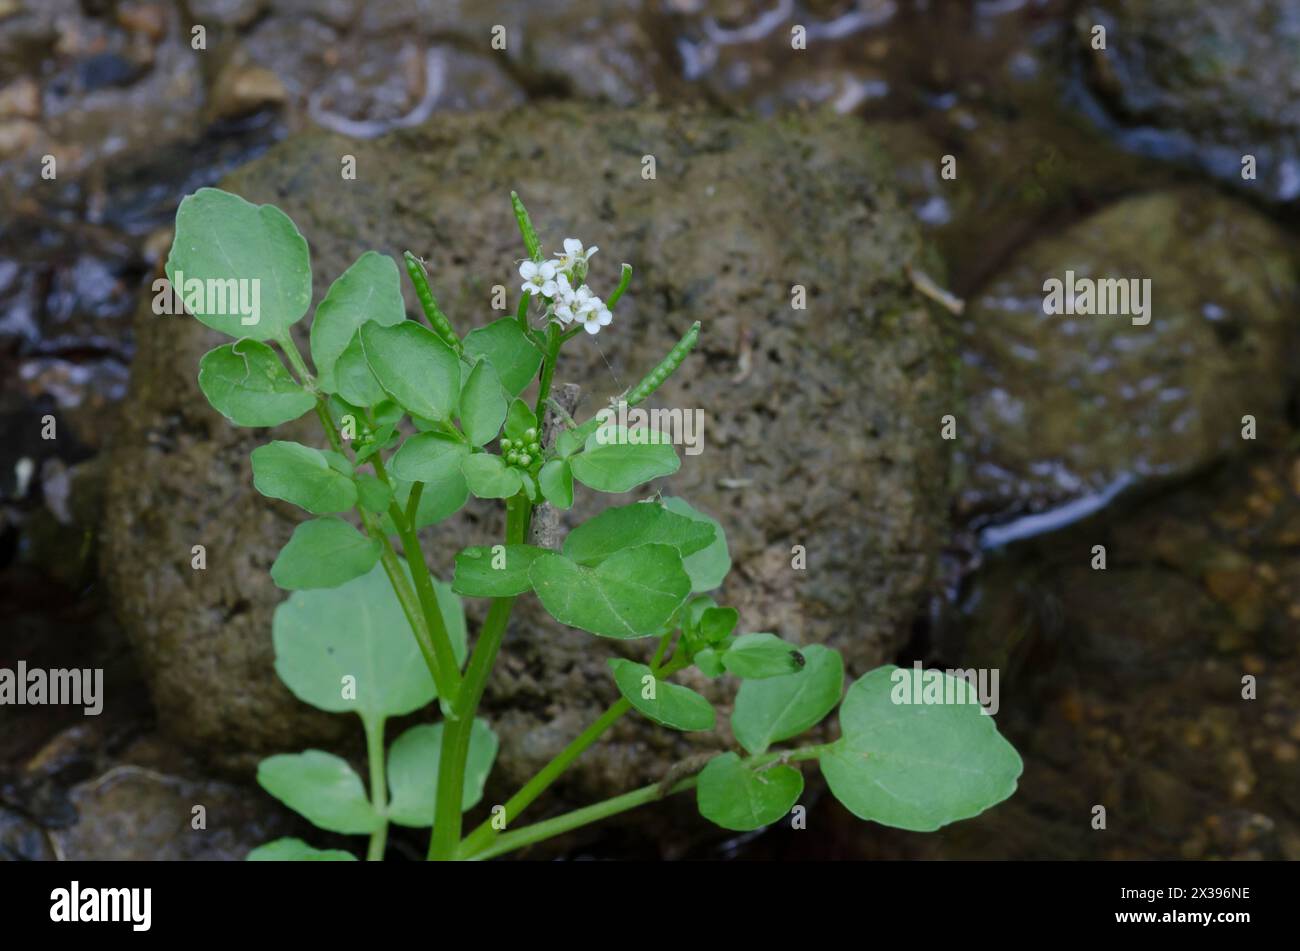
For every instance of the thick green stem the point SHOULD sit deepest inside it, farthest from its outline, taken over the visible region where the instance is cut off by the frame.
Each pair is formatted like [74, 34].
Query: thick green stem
[540, 831]
[378, 787]
[445, 841]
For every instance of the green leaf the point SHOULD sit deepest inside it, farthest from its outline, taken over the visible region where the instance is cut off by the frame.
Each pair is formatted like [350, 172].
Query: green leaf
[324, 553]
[572, 440]
[556, 481]
[296, 850]
[500, 571]
[351, 649]
[670, 705]
[709, 662]
[716, 623]
[489, 477]
[916, 766]
[620, 466]
[708, 568]
[246, 383]
[301, 475]
[626, 526]
[223, 244]
[413, 771]
[372, 494]
[370, 290]
[482, 405]
[321, 787]
[414, 367]
[509, 351]
[769, 711]
[434, 459]
[756, 656]
[734, 796]
[520, 419]
[429, 457]
[631, 594]
[353, 379]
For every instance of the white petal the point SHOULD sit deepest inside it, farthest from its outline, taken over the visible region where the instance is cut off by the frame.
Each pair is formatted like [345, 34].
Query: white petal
[572, 247]
[604, 316]
[592, 250]
[528, 270]
[547, 269]
[591, 326]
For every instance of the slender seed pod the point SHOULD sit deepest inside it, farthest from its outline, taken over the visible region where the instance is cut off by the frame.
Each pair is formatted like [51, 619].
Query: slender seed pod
[437, 319]
[531, 241]
[656, 377]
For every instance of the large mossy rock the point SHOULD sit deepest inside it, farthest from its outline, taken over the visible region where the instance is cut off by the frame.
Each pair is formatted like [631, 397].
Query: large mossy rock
[822, 427]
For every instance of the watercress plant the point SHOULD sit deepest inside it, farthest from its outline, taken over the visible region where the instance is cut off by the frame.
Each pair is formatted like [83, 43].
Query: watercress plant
[416, 419]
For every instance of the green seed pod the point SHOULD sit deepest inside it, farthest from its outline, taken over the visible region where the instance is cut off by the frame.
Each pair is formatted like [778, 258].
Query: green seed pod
[535, 448]
[530, 434]
[512, 457]
[525, 460]
[437, 319]
[659, 374]
[505, 443]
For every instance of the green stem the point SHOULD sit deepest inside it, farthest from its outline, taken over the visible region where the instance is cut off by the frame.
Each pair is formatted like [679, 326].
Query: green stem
[448, 676]
[486, 832]
[413, 502]
[445, 842]
[553, 341]
[540, 831]
[296, 361]
[378, 787]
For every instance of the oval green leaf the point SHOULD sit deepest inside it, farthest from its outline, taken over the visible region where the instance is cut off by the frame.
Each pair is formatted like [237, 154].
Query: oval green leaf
[670, 705]
[734, 796]
[324, 553]
[621, 465]
[555, 479]
[626, 526]
[301, 475]
[228, 253]
[509, 351]
[370, 290]
[246, 383]
[916, 766]
[351, 649]
[777, 708]
[489, 477]
[482, 404]
[414, 367]
[632, 593]
[499, 571]
[321, 787]
[755, 656]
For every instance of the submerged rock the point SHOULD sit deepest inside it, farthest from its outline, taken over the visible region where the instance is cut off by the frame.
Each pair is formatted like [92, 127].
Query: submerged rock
[821, 429]
[1066, 409]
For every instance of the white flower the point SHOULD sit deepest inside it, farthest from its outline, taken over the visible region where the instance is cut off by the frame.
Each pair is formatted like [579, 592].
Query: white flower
[599, 316]
[538, 278]
[574, 255]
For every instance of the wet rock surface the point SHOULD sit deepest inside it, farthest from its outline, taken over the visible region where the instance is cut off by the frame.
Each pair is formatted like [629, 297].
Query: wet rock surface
[1064, 407]
[1207, 83]
[805, 407]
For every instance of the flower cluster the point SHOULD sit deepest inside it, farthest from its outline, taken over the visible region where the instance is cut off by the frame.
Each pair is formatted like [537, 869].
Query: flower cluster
[553, 281]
